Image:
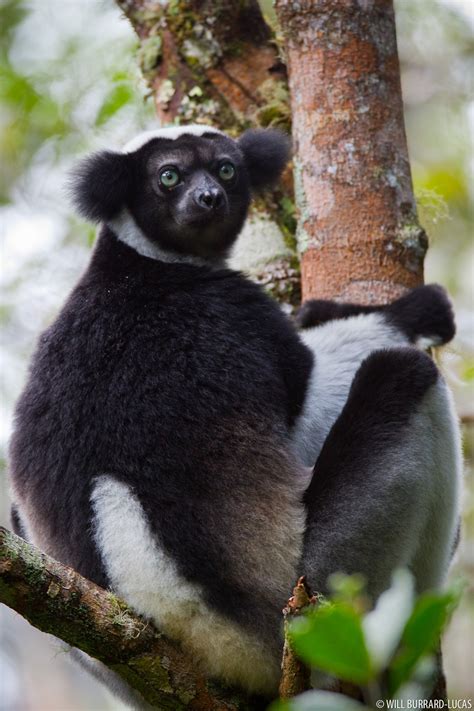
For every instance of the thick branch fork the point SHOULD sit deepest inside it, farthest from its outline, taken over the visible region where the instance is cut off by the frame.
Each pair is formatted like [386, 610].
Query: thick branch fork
[56, 599]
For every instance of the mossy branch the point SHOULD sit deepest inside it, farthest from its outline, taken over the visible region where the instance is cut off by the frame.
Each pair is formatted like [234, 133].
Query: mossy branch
[56, 599]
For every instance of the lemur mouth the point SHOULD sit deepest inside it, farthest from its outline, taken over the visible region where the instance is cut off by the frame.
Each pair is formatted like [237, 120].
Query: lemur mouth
[203, 219]
[207, 221]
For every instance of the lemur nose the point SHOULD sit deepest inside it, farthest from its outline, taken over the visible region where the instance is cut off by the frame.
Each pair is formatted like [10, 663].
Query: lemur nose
[209, 199]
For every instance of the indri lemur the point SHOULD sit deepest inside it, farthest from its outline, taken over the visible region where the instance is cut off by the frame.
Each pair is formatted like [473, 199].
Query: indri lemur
[164, 444]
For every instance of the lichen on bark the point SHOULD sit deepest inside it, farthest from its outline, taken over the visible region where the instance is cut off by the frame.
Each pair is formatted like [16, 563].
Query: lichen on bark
[358, 234]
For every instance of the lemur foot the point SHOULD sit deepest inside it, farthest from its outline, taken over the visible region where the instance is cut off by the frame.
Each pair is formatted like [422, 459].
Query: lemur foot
[425, 314]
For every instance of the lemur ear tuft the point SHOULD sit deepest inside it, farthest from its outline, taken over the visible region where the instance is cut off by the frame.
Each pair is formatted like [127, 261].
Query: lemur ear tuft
[266, 152]
[99, 185]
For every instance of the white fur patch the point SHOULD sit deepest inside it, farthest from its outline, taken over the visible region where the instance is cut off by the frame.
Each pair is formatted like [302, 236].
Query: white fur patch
[436, 428]
[261, 241]
[146, 577]
[339, 347]
[127, 231]
[425, 469]
[169, 132]
[424, 342]
[125, 227]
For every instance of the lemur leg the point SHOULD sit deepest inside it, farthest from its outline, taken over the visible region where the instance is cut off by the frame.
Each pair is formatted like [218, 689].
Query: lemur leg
[345, 336]
[385, 489]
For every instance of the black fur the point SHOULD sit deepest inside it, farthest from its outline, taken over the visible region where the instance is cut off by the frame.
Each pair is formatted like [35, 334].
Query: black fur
[185, 381]
[101, 184]
[423, 312]
[181, 380]
[351, 489]
[16, 522]
[266, 152]
[172, 218]
[176, 378]
[107, 182]
[315, 312]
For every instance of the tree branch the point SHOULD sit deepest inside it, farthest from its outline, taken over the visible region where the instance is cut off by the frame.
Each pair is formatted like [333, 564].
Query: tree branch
[295, 675]
[59, 601]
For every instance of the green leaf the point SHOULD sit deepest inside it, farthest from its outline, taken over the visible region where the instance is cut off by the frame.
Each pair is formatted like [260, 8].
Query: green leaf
[468, 373]
[280, 705]
[331, 639]
[422, 633]
[318, 701]
[384, 625]
[120, 95]
[421, 682]
[91, 233]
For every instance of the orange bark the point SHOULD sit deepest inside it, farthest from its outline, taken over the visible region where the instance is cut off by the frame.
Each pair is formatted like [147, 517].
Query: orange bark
[358, 233]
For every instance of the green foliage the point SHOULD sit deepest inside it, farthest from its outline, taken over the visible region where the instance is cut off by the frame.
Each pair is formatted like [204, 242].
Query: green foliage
[57, 99]
[421, 635]
[287, 220]
[468, 374]
[30, 117]
[388, 652]
[149, 53]
[318, 701]
[118, 97]
[332, 640]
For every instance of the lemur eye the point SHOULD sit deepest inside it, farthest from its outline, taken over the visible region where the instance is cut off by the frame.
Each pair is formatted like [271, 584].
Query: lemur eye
[169, 177]
[226, 171]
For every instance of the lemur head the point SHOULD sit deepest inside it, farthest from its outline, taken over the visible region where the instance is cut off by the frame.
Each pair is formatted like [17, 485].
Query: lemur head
[184, 190]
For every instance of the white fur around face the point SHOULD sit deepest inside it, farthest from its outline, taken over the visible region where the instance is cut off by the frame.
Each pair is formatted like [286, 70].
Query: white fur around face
[339, 347]
[169, 132]
[127, 231]
[125, 227]
[147, 578]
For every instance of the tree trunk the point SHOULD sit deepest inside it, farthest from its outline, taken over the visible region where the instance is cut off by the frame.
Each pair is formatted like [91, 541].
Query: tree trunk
[358, 233]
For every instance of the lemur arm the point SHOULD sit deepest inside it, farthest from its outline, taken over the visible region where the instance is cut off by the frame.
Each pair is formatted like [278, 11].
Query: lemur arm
[423, 313]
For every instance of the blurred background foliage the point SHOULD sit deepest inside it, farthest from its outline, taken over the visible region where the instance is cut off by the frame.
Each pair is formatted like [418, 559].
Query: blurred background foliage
[69, 84]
